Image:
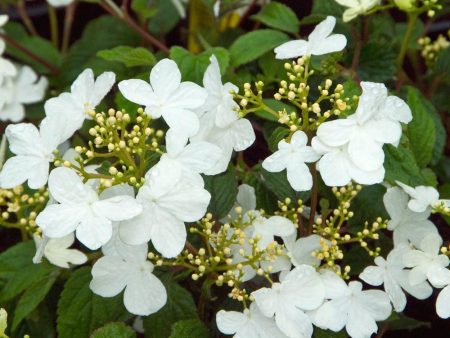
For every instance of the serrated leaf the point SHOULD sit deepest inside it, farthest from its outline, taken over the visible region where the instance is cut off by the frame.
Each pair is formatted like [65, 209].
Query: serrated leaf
[179, 306]
[400, 165]
[223, 190]
[421, 130]
[191, 328]
[129, 56]
[252, 45]
[193, 66]
[39, 46]
[377, 62]
[80, 311]
[114, 330]
[102, 33]
[279, 16]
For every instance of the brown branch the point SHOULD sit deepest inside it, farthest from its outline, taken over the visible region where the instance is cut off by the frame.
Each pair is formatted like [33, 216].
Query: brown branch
[21, 9]
[138, 29]
[54, 70]
[68, 21]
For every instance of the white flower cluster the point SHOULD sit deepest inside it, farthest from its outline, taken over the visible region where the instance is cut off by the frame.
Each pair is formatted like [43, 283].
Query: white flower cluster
[115, 220]
[19, 85]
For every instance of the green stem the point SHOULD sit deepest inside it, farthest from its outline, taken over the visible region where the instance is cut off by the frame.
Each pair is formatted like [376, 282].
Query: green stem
[54, 31]
[21, 9]
[412, 18]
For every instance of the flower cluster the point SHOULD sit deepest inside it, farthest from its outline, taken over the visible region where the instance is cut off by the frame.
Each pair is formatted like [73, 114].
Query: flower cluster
[19, 85]
[431, 49]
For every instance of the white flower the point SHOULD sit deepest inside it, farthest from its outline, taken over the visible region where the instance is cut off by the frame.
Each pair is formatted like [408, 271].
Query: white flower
[292, 156]
[393, 275]
[57, 251]
[375, 122]
[408, 226]
[248, 324]
[168, 97]
[80, 209]
[23, 88]
[319, 42]
[34, 150]
[238, 135]
[354, 309]
[192, 160]
[85, 94]
[300, 251]
[443, 299]
[168, 200]
[337, 168]
[59, 3]
[144, 293]
[7, 68]
[356, 7]
[427, 262]
[422, 197]
[300, 290]
[220, 102]
[267, 228]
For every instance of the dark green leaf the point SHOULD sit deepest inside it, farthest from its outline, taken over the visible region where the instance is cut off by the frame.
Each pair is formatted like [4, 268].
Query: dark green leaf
[103, 33]
[129, 56]
[80, 311]
[442, 65]
[398, 321]
[279, 16]
[319, 333]
[191, 328]
[193, 66]
[377, 62]
[252, 45]
[114, 330]
[421, 130]
[179, 306]
[279, 185]
[223, 189]
[327, 7]
[276, 136]
[165, 18]
[39, 46]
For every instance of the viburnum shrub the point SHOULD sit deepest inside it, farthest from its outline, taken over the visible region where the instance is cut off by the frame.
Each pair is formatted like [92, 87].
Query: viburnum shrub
[288, 181]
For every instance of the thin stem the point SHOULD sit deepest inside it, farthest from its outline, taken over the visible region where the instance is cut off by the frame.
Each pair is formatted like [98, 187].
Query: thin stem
[117, 12]
[21, 9]
[68, 21]
[314, 192]
[54, 30]
[29, 53]
[412, 18]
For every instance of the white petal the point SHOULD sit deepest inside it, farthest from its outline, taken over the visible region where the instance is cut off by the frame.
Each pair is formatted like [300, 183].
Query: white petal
[109, 276]
[23, 139]
[168, 234]
[229, 322]
[188, 96]
[118, 208]
[18, 169]
[66, 187]
[144, 294]
[183, 121]
[102, 86]
[165, 78]
[94, 231]
[323, 29]
[58, 220]
[276, 162]
[299, 176]
[200, 156]
[83, 85]
[443, 303]
[360, 324]
[136, 230]
[373, 275]
[397, 109]
[365, 152]
[336, 133]
[138, 91]
[331, 44]
[266, 301]
[292, 49]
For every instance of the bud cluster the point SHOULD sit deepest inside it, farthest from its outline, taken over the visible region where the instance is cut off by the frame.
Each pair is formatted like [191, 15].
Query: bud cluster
[431, 49]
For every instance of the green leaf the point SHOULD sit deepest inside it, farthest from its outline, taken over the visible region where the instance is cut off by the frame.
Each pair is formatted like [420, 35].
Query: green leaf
[191, 328]
[279, 185]
[327, 7]
[114, 330]
[18, 270]
[421, 130]
[252, 45]
[39, 46]
[377, 62]
[165, 19]
[80, 311]
[398, 321]
[400, 164]
[278, 16]
[33, 296]
[103, 33]
[129, 56]
[223, 189]
[193, 66]
[442, 65]
[319, 333]
[179, 306]
[273, 69]
[278, 134]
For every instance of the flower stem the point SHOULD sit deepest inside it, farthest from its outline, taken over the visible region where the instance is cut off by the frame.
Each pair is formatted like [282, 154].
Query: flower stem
[54, 31]
[314, 191]
[29, 53]
[68, 21]
[21, 9]
[412, 18]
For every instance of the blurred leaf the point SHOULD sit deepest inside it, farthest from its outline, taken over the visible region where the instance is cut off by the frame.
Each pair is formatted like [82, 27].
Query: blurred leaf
[179, 306]
[367, 206]
[327, 7]
[278, 16]
[39, 46]
[272, 69]
[129, 56]
[190, 328]
[252, 45]
[421, 130]
[442, 65]
[377, 62]
[279, 185]
[80, 311]
[223, 189]
[143, 8]
[193, 66]
[165, 18]
[114, 330]
[398, 321]
[102, 33]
